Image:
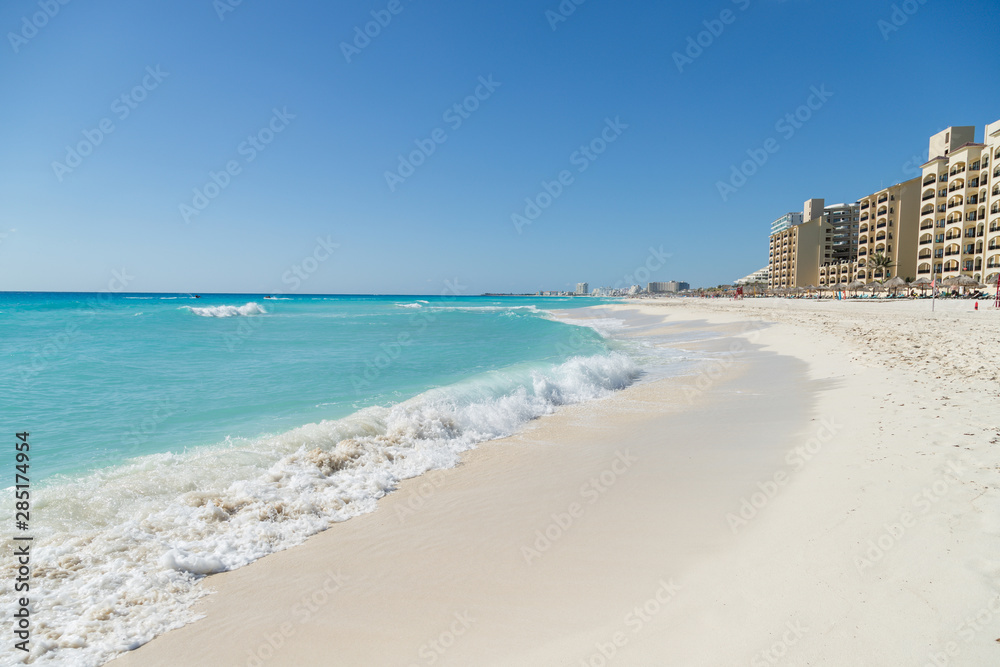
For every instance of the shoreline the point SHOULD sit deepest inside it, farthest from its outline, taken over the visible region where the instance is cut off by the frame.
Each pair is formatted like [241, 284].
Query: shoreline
[491, 515]
[458, 557]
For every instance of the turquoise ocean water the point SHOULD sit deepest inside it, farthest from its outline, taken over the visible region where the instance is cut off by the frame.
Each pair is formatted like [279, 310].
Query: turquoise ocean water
[173, 437]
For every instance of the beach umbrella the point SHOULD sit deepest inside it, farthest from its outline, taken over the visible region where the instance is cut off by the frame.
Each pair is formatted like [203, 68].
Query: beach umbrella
[923, 282]
[966, 281]
[856, 285]
[894, 284]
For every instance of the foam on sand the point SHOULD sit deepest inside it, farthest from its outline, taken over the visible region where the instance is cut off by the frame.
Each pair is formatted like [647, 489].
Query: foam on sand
[122, 565]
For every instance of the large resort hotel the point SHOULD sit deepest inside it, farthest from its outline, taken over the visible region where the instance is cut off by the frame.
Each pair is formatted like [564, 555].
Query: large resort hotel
[942, 224]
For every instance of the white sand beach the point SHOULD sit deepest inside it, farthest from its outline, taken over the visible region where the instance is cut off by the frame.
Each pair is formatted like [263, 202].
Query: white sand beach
[821, 489]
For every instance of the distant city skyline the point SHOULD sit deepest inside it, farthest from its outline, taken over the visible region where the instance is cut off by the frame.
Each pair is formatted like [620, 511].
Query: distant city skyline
[403, 148]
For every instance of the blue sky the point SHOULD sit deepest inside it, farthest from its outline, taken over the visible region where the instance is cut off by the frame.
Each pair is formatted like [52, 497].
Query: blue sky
[205, 81]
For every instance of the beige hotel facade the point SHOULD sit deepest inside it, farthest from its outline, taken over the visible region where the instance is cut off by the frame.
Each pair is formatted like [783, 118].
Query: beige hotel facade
[959, 230]
[943, 223]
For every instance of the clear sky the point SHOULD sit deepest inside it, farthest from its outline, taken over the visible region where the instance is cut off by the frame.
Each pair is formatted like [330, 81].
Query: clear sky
[309, 128]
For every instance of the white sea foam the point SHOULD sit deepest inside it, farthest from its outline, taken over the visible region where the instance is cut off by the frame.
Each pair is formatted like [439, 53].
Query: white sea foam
[605, 326]
[410, 305]
[488, 309]
[245, 310]
[118, 554]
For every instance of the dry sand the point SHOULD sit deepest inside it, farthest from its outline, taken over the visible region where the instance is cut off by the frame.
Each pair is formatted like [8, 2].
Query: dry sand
[817, 491]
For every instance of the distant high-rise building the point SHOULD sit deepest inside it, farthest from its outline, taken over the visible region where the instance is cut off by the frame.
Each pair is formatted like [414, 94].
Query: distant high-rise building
[671, 287]
[959, 232]
[835, 234]
[947, 140]
[812, 209]
[889, 227]
[943, 224]
[582, 288]
[798, 252]
[759, 276]
[786, 221]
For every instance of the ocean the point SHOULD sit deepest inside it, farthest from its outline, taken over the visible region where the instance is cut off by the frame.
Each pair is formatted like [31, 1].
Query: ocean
[174, 437]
